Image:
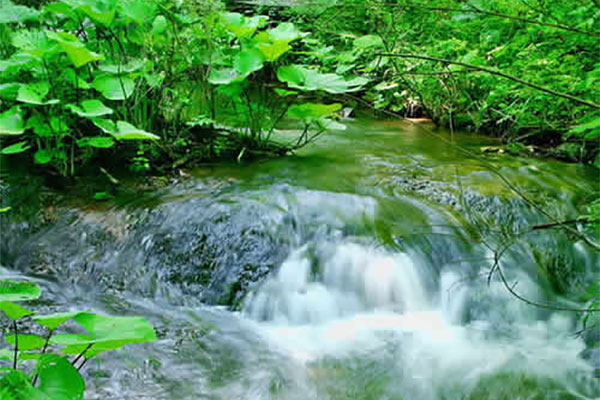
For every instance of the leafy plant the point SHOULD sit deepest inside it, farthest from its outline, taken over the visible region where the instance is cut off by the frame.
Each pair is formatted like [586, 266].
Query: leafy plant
[52, 375]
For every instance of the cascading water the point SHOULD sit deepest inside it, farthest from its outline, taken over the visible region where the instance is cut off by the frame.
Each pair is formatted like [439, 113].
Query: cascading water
[353, 275]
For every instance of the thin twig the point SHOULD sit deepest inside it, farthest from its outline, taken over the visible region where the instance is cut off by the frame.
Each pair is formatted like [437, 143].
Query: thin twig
[35, 378]
[16, 344]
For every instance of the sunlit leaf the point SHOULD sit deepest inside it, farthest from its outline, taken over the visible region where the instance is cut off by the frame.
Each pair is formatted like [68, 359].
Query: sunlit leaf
[15, 148]
[306, 79]
[18, 291]
[53, 321]
[12, 122]
[100, 11]
[106, 328]
[122, 130]
[100, 142]
[130, 66]
[126, 131]
[225, 76]
[13, 13]
[13, 310]
[26, 341]
[368, 41]
[285, 31]
[59, 380]
[34, 42]
[312, 111]
[137, 10]
[159, 26]
[90, 109]
[114, 87]
[273, 50]
[76, 50]
[34, 93]
[241, 25]
[105, 333]
[248, 61]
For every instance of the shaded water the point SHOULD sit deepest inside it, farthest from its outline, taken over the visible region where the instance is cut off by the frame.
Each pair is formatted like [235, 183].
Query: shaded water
[356, 269]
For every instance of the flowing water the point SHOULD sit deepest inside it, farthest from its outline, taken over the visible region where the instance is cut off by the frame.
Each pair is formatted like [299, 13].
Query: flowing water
[356, 269]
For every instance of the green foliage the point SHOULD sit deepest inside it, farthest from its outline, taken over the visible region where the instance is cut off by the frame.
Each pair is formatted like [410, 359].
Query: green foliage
[82, 76]
[59, 379]
[12, 122]
[548, 43]
[54, 376]
[305, 79]
[18, 291]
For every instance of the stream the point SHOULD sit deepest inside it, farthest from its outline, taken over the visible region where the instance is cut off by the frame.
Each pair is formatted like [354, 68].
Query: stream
[355, 269]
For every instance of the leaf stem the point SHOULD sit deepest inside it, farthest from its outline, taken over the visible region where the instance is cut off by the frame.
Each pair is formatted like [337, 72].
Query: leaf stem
[81, 354]
[16, 344]
[35, 378]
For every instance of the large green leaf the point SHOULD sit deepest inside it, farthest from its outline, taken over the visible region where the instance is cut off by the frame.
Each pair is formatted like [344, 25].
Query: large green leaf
[43, 156]
[17, 63]
[100, 11]
[13, 310]
[76, 51]
[225, 76]
[26, 341]
[306, 79]
[122, 130]
[100, 142]
[59, 380]
[126, 131]
[18, 291]
[61, 7]
[313, 111]
[105, 327]
[137, 10]
[367, 42]
[105, 333]
[241, 25]
[15, 148]
[12, 13]
[130, 66]
[285, 32]
[34, 42]
[34, 93]
[114, 87]
[90, 109]
[274, 42]
[159, 27]
[273, 50]
[248, 61]
[11, 122]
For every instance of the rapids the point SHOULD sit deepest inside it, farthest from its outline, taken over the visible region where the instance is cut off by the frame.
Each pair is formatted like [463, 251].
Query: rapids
[355, 269]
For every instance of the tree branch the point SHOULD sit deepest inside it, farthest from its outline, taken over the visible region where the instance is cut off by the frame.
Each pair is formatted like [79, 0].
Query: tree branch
[497, 73]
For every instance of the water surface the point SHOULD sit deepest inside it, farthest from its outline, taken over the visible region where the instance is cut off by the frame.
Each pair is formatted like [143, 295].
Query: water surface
[355, 269]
